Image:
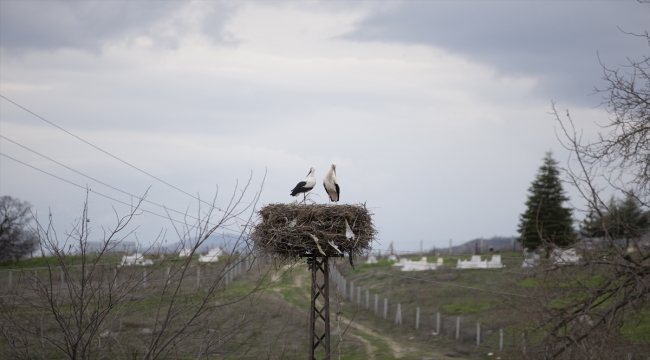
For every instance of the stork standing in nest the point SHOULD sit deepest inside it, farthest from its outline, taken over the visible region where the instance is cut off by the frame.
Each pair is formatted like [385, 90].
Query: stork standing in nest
[304, 187]
[331, 184]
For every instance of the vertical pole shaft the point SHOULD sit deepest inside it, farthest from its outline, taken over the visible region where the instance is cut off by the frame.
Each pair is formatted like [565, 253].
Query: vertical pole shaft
[501, 339]
[345, 288]
[351, 290]
[326, 309]
[478, 334]
[358, 295]
[417, 318]
[449, 246]
[376, 307]
[385, 308]
[398, 314]
[316, 339]
[144, 277]
[167, 277]
[457, 327]
[367, 299]
[312, 308]
[438, 323]
[198, 277]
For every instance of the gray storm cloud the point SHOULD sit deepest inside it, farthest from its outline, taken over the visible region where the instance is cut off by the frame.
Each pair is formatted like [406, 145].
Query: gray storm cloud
[557, 41]
[88, 25]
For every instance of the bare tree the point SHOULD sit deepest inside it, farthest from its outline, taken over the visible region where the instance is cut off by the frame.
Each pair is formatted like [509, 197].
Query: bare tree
[17, 238]
[85, 305]
[596, 308]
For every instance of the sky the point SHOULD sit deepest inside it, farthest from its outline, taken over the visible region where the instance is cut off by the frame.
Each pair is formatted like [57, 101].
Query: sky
[435, 112]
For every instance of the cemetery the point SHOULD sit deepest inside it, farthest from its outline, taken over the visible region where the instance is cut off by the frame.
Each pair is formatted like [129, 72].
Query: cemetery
[136, 259]
[211, 256]
[476, 263]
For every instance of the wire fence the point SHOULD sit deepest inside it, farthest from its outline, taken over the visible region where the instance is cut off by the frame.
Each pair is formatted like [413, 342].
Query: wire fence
[428, 321]
[192, 275]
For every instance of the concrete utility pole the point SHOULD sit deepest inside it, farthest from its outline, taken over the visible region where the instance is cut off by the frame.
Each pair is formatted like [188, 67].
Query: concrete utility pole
[449, 246]
[421, 254]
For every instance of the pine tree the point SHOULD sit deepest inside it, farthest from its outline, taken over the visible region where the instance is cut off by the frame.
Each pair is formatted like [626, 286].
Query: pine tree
[545, 220]
[621, 219]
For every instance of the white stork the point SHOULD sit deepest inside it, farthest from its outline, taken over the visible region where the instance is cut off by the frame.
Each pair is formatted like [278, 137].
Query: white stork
[331, 184]
[305, 186]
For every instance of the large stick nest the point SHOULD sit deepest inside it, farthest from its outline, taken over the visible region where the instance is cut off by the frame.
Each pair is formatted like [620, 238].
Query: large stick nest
[291, 230]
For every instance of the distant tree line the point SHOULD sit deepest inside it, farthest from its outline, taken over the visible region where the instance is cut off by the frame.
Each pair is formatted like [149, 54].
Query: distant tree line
[17, 238]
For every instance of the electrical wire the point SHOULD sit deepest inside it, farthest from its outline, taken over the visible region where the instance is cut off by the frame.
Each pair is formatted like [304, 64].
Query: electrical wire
[113, 156]
[106, 196]
[101, 182]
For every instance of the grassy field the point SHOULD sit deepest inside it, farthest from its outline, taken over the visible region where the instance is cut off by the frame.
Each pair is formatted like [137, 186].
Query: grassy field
[263, 313]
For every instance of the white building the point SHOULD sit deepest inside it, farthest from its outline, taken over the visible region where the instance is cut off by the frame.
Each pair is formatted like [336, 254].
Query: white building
[136, 259]
[422, 265]
[476, 263]
[372, 259]
[211, 256]
[531, 262]
[185, 252]
[565, 257]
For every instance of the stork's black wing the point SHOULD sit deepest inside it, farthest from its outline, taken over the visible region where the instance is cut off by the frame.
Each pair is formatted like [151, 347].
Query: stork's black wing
[338, 192]
[300, 188]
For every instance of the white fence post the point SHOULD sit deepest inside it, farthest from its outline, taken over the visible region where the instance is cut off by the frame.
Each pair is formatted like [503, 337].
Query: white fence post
[398, 314]
[438, 323]
[417, 318]
[367, 299]
[376, 307]
[358, 295]
[501, 339]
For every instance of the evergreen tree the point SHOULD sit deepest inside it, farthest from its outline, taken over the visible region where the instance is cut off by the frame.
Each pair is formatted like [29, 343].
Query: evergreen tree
[545, 220]
[622, 219]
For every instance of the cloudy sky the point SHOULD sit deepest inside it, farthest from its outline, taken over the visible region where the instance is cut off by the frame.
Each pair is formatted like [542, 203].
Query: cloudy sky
[436, 112]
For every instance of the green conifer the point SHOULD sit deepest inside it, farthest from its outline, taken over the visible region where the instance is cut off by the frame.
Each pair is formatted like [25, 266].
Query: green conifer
[546, 221]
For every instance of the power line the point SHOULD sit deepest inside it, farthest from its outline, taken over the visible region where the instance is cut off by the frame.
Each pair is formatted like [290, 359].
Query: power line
[101, 182]
[113, 156]
[106, 196]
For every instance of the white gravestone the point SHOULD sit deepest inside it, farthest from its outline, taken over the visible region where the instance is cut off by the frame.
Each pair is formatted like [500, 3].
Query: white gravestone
[211, 256]
[421, 265]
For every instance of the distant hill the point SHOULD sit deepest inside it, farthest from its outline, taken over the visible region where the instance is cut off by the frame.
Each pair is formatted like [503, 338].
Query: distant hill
[498, 243]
